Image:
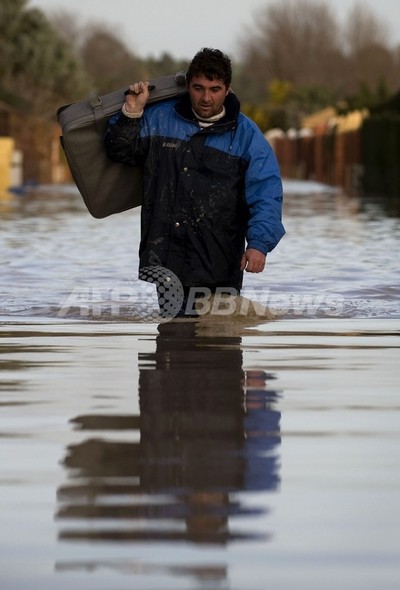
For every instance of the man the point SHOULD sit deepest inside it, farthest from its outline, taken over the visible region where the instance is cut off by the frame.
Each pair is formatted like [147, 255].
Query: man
[211, 180]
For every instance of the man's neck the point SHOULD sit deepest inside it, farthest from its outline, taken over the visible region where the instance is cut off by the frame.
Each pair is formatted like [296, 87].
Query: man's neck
[207, 122]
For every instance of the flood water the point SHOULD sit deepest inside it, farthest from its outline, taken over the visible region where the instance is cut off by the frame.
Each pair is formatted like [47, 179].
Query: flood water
[231, 453]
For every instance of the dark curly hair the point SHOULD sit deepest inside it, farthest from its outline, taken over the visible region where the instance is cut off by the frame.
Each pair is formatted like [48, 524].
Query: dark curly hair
[213, 64]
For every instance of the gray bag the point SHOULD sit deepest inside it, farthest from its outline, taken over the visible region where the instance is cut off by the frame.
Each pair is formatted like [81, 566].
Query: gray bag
[106, 187]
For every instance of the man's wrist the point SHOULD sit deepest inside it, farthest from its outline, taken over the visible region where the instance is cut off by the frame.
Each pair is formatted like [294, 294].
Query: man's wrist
[257, 245]
[130, 114]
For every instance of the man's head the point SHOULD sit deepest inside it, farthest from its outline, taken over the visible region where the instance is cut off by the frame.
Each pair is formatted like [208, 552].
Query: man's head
[209, 78]
[213, 64]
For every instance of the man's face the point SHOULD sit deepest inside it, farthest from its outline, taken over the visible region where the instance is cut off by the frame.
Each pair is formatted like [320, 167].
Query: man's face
[207, 96]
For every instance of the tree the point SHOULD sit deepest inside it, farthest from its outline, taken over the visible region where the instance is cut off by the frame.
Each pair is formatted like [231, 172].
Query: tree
[163, 66]
[109, 63]
[107, 60]
[363, 28]
[37, 67]
[300, 43]
[10, 17]
[369, 57]
[68, 28]
[295, 41]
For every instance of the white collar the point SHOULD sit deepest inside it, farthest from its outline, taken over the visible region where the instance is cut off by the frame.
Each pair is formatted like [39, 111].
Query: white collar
[207, 122]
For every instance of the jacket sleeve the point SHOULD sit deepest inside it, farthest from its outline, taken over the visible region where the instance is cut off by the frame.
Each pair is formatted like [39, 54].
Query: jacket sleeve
[264, 196]
[123, 140]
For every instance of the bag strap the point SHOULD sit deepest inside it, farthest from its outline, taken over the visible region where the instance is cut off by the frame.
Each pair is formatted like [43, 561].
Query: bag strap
[98, 112]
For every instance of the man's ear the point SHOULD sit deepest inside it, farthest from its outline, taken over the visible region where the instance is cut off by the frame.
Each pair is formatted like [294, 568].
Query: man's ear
[228, 90]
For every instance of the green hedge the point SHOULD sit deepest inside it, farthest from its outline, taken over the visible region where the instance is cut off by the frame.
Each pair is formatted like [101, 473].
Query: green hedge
[380, 149]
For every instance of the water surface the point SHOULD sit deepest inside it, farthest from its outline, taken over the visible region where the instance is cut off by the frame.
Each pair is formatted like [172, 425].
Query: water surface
[219, 454]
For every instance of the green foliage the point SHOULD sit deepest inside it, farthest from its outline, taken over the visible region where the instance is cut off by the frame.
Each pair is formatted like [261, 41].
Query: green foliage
[10, 16]
[37, 68]
[279, 91]
[45, 64]
[286, 104]
[40, 69]
[390, 105]
[366, 97]
[259, 114]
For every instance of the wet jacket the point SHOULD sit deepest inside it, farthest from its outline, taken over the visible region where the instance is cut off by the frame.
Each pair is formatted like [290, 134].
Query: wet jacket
[206, 190]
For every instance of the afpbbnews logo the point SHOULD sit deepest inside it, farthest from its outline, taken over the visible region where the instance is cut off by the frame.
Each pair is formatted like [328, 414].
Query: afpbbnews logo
[161, 297]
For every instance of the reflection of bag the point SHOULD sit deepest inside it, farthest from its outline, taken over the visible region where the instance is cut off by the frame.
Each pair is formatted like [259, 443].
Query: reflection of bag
[106, 187]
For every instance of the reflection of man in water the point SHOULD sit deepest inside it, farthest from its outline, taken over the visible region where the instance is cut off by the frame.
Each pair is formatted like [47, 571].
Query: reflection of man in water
[207, 429]
[196, 426]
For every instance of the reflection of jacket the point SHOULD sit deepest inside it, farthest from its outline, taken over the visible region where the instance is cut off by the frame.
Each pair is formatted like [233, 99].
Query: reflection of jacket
[205, 191]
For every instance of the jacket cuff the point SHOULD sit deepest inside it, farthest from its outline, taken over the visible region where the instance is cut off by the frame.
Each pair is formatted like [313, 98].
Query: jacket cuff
[131, 115]
[257, 245]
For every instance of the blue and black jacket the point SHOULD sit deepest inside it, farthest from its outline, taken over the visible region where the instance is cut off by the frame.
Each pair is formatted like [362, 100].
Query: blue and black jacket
[206, 190]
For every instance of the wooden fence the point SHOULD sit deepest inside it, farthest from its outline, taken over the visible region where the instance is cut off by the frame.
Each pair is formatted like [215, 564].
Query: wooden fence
[330, 158]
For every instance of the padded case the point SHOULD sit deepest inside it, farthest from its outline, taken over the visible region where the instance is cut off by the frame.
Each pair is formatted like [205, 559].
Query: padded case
[106, 187]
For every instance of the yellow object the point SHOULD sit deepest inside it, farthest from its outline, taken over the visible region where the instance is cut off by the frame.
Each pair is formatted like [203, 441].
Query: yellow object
[327, 118]
[351, 122]
[321, 119]
[7, 145]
